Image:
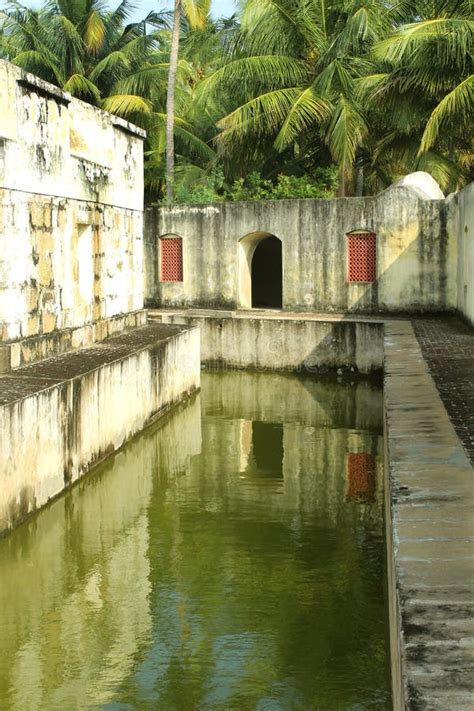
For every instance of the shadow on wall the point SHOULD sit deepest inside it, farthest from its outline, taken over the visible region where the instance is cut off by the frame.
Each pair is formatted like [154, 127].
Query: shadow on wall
[408, 228]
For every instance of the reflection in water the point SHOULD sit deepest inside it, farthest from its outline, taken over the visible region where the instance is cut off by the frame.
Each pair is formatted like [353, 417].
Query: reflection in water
[361, 476]
[232, 558]
[262, 450]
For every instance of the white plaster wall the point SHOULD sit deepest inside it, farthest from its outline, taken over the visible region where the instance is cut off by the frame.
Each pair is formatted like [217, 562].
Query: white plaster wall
[415, 253]
[71, 207]
[56, 145]
[66, 263]
[461, 224]
[58, 434]
[292, 345]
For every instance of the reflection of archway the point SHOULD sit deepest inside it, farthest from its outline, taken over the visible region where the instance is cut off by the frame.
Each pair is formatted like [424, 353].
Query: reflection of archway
[260, 271]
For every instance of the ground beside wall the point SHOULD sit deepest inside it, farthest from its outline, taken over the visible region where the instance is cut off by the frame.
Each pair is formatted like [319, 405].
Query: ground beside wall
[67, 413]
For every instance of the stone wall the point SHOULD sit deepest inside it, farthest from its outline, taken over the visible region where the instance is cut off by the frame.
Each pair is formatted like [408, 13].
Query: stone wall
[461, 226]
[294, 345]
[416, 256]
[65, 415]
[71, 200]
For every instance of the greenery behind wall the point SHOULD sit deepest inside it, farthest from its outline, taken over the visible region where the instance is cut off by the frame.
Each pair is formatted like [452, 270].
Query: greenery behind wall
[288, 98]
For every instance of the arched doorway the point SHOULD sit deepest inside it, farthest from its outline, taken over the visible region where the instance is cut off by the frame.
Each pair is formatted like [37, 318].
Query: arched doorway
[261, 271]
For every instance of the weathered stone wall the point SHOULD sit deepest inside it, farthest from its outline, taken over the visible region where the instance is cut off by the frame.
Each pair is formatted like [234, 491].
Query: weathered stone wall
[29, 350]
[461, 226]
[303, 345]
[66, 414]
[71, 199]
[416, 256]
[53, 144]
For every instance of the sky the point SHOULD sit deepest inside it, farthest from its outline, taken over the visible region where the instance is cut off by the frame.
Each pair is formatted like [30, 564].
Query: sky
[220, 8]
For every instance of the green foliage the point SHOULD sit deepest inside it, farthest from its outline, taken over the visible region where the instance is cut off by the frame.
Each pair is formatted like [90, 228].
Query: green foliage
[212, 188]
[268, 99]
[322, 184]
[209, 189]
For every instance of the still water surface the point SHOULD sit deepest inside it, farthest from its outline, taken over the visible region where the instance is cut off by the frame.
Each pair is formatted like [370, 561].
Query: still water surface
[231, 559]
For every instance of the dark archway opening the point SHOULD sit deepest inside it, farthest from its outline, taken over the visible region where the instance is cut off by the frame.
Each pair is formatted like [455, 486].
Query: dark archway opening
[267, 275]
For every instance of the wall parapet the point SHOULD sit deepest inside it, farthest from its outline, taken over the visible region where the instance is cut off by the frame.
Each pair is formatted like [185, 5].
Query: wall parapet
[306, 344]
[47, 135]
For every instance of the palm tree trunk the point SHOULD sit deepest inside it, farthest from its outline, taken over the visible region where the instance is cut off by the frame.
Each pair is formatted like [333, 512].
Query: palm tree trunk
[360, 181]
[170, 101]
[342, 184]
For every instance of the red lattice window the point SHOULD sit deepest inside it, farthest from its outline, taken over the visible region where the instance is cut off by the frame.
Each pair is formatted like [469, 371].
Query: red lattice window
[171, 258]
[360, 476]
[362, 256]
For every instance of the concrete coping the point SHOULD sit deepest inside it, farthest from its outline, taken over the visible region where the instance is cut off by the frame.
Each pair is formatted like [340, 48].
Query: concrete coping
[34, 83]
[123, 125]
[272, 314]
[30, 379]
[430, 535]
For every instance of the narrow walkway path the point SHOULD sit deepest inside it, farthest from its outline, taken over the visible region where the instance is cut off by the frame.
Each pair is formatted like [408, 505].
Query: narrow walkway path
[430, 499]
[447, 345]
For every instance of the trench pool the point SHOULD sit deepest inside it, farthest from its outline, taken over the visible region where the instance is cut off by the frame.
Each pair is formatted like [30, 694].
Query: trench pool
[231, 558]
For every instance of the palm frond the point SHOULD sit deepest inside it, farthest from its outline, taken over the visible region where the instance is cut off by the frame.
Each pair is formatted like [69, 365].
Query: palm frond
[78, 85]
[264, 114]
[197, 12]
[94, 33]
[126, 105]
[307, 110]
[457, 106]
[254, 74]
[345, 132]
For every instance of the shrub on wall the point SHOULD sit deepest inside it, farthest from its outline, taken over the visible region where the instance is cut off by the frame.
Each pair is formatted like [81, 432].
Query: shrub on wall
[322, 184]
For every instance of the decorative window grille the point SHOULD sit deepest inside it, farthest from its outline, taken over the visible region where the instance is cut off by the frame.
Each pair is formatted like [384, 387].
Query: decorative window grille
[362, 257]
[171, 258]
[360, 476]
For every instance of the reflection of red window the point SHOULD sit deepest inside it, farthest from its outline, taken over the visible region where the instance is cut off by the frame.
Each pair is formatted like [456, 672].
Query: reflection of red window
[362, 256]
[171, 257]
[360, 476]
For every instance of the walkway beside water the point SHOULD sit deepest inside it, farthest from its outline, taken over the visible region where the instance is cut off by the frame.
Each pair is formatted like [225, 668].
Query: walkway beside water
[430, 496]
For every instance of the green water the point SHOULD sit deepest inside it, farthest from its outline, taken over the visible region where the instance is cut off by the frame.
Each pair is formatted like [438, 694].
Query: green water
[231, 559]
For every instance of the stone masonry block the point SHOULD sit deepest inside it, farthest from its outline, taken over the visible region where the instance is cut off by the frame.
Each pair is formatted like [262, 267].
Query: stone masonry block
[36, 214]
[5, 359]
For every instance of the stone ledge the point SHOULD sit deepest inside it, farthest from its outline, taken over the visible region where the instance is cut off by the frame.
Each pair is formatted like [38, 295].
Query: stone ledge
[47, 373]
[430, 535]
[34, 83]
[16, 354]
[128, 127]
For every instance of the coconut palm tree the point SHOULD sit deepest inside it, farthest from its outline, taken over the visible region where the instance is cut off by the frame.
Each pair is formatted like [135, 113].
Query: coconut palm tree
[424, 92]
[196, 12]
[294, 77]
[90, 51]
